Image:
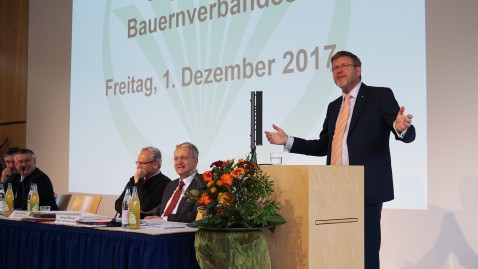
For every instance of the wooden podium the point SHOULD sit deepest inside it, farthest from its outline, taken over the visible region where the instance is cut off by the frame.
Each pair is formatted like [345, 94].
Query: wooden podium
[323, 206]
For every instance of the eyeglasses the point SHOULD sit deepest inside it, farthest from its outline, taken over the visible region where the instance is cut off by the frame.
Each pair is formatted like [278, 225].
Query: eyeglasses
[142, 163]
[341, 67]
[182, 158]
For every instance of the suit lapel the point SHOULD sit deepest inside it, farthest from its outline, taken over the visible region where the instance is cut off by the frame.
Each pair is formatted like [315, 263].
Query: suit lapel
[359, 104]
[335, 109]
[183, 199]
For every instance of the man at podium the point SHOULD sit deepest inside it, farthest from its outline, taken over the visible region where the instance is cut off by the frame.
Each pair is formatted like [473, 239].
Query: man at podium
[356, 131]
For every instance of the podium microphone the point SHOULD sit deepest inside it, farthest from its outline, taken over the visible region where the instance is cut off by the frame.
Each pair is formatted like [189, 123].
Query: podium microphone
[113, 222]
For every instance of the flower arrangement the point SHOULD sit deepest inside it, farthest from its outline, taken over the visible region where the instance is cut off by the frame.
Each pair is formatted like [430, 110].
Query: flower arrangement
[237, 196]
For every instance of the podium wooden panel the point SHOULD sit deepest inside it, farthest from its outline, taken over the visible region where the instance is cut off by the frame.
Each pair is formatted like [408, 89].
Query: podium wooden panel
[323, 206]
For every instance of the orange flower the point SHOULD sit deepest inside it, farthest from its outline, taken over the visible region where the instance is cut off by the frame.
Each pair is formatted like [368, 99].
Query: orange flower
[209, 184]
[247, 165]
[213, 189]
[227, 180]
[219, 183]
[205, 199]
[238, 172]
[207, 176]
[224, 198]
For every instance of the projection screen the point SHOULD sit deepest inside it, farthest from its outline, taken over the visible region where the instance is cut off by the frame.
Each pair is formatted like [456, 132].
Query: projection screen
[165, 72]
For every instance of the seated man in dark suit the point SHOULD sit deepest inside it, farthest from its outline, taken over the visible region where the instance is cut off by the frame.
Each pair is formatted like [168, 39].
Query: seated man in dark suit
[28, 174]
[149, 180]
[174, 205]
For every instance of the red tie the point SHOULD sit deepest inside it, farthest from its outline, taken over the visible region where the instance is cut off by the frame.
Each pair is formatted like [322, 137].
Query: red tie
[339, 132]
[175, 199]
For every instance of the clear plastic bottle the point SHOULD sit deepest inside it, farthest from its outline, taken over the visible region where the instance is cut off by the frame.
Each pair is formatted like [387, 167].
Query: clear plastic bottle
[134, 210]
[125, 207]
[2, 200]
[9, 200]
[29, 197]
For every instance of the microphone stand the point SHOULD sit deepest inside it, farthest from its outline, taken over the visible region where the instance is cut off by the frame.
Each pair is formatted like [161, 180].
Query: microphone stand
[23, 190]
[113, 222]
[256, 124]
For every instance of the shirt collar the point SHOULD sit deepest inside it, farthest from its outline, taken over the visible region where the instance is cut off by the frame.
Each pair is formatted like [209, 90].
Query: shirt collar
[189, 179]
[159, 171]
[354, 92]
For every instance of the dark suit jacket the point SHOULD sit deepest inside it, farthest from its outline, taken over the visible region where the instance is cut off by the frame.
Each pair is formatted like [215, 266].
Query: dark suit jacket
[150, 193]
[21, 189]
[368, 139]
[187, 210]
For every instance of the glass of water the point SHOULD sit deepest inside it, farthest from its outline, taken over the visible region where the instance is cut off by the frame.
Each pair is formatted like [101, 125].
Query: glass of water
[276, 158]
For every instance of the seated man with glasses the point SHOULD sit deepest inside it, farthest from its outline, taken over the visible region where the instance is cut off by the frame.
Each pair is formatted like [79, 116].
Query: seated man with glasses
[28, 174]
[175, 206]
[149, 180]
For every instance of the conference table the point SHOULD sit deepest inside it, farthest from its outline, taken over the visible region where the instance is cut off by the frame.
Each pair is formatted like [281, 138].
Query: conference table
[49, 245]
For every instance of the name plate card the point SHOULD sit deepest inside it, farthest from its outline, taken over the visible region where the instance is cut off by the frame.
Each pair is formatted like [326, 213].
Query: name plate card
[19, 214]
[67, 218]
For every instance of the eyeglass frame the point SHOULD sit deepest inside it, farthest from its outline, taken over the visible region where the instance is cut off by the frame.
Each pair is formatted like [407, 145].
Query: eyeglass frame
[143, 163]
[183, 158]
[341, 67]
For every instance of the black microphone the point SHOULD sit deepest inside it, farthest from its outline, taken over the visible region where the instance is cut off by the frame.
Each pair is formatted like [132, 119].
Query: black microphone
[113, 222]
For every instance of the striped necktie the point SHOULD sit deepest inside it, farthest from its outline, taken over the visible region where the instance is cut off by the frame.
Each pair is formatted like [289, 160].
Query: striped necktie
[339, 132]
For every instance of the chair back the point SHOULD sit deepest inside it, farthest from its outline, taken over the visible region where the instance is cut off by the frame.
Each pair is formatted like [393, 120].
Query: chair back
[85, 203]
[62, 201]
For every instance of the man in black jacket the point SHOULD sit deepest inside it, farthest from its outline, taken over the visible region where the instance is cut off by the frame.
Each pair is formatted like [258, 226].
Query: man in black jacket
[149, 180]
[27, 175]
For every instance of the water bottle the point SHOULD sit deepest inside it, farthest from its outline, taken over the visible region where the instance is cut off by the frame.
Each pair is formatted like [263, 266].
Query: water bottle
[2, 200]
[29, 197]
[125, 207]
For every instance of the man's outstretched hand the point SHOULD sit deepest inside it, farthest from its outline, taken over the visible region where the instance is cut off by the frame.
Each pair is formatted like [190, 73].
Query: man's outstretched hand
[402, 122]
[277, 138]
